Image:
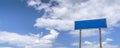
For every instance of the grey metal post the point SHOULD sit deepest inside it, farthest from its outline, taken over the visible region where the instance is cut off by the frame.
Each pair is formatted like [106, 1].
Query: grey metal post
[80, 42]
[100, 37]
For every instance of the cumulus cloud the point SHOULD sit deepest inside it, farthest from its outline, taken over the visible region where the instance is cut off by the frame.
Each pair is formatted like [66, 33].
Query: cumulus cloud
[63, 15]
[54, 23]
[88, 44]
[28, 41]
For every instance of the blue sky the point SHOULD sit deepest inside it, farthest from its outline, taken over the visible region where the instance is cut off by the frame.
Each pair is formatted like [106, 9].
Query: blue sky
[50, 23]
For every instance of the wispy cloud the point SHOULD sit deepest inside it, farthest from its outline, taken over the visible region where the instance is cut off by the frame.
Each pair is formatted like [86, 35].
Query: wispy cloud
[88, 44]
[28, 41]
[5, 47]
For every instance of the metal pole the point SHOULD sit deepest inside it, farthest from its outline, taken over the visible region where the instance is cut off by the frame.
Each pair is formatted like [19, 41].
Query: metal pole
[100, 37]
[80, 45]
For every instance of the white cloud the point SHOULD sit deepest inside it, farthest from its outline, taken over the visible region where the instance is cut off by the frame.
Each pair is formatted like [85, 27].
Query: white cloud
[28, 41]
[5, 47]
[61, 47]
[107, 41]
[75, 44]
[88, 44]
[33, 2]
[62, 17]
[37, 4]
[54, 23]
[87, 32]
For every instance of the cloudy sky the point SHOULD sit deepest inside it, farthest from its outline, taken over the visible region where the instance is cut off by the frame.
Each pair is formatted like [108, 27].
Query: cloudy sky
[50, 23]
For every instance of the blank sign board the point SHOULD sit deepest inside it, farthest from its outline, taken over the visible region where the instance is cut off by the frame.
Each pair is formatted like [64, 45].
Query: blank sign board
[87, 24]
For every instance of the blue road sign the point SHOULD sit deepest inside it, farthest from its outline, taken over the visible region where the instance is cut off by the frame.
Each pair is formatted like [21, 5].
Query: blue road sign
[86, 24]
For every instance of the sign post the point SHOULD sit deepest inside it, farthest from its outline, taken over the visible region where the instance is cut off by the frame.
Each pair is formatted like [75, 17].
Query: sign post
[100, 36]
[80, 42]
[87, 24]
